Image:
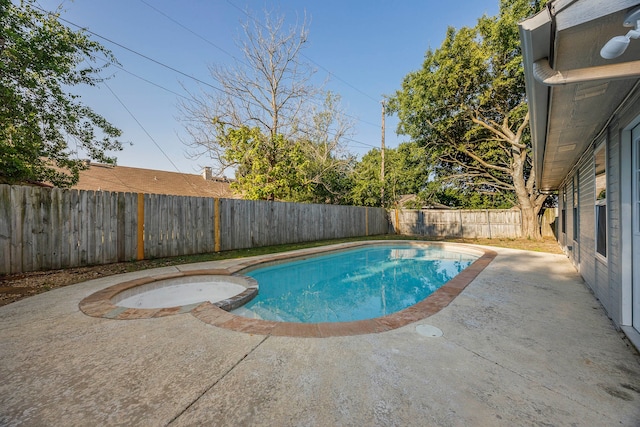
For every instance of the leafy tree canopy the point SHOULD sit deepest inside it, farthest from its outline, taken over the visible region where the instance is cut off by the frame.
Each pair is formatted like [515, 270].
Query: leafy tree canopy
[269, 123]
[467, 107]
[41, 122]
[467, 198]
[266, 170]
[406, 172]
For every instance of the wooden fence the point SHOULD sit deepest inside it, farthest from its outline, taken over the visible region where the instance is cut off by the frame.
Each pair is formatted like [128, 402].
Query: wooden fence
[491, 224]
[43, 228]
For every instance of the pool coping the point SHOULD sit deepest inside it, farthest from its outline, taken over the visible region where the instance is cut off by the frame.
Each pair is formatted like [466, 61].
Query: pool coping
[101, 303]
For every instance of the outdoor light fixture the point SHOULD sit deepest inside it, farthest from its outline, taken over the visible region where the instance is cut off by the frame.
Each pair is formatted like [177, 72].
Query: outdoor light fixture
[617, 45]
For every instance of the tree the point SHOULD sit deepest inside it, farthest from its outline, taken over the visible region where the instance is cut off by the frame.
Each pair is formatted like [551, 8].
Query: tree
[40, 60]
[328, 162]
[366, 185]
[266, 94]
[268, 169]
[406, 172]
[467, 106]
[454, 196]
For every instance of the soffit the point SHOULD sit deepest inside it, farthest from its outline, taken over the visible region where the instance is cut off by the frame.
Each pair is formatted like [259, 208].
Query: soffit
[578, 112]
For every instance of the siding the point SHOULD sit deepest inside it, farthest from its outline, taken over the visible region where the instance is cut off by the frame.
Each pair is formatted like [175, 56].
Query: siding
[593, 270]
[614, 225]
[604, 277]
[587, 224]
[573, 247]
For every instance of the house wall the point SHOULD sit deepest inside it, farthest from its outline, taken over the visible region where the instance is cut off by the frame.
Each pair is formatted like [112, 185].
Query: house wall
[602, 275]
[614, 221]
[587, 230]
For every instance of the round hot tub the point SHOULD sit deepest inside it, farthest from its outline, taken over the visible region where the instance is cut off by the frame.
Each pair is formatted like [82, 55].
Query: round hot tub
[182, 291]
[173, 293]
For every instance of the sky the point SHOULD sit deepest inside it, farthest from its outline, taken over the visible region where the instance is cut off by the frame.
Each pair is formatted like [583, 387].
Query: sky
[361, 49]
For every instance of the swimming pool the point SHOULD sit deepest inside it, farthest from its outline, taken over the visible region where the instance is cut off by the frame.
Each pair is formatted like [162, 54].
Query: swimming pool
[106, 302]
[356, 284]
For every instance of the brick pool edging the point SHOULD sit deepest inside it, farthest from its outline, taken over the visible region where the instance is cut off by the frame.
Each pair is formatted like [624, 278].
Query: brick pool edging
[101, 303]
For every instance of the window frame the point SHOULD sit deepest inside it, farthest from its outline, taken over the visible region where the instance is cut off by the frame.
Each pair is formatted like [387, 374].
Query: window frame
[601, 208]
[575, 184]
[563, 211]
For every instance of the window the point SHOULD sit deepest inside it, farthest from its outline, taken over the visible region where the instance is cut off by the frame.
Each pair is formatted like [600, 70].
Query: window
[576, 227]
[563, 213]
[601, 200]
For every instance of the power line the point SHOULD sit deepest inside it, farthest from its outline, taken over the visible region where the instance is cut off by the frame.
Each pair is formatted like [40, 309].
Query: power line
[309, 59]
[184, 97]
[154, 84]
[206, 40]
[150, 137]
[155, 61]
[162, 64]
[142, 78]
[141, 126]
[364, 144]
[184, 27]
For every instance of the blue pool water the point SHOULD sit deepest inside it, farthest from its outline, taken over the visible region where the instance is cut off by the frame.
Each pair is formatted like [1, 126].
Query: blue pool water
[352, 285]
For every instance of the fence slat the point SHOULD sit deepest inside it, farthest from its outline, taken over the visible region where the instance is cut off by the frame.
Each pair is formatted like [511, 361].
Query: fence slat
[5, 228]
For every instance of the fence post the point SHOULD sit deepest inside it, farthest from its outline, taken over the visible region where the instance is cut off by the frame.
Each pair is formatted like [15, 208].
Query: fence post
[489, 222]
[366, 221]
[216, 224]
[140, 254]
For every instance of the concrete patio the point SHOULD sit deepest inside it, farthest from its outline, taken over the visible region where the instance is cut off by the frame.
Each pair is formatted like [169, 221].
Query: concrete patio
[524, 344]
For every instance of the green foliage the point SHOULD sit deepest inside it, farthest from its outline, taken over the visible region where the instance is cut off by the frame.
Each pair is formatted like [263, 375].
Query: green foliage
[466, 198]
[328, 163]
[268, 168]
[331, 186]
[40, 59]
[467, 103]
[266, 123]
[406, 172]
[365, 178]
[467, 106]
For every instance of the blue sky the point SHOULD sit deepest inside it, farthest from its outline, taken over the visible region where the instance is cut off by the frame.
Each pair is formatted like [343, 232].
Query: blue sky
[368, 46]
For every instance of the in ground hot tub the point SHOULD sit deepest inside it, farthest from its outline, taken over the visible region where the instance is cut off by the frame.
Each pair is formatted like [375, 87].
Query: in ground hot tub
[167, 294]
[182, 291]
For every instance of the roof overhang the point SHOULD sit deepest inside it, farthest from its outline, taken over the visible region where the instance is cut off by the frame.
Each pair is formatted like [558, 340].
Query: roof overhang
[572, 92]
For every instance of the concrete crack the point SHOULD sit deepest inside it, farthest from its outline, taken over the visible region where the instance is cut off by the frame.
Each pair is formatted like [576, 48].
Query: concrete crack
[527, 378]
[206, 390]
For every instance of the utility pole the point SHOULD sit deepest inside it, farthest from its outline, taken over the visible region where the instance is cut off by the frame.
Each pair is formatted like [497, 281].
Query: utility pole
[382, 158]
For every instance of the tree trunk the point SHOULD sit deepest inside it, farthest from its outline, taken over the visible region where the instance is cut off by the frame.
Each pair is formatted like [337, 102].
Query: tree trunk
[530, 224]
[529, 201]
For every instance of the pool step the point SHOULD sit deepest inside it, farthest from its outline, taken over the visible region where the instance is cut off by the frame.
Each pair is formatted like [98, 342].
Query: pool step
[257, 312]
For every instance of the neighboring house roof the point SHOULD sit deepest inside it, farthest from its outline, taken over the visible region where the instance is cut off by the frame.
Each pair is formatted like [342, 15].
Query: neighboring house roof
[136, 180]
[406, 198]
[571, 90]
